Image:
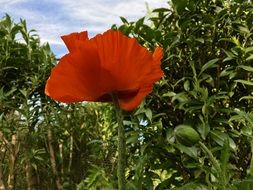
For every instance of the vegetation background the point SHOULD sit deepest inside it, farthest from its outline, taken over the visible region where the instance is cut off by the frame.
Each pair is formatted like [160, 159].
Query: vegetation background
[208, 87]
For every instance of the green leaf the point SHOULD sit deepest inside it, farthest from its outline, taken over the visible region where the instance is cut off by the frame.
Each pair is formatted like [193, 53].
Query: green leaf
[248, 49]
[220, 137]
[227, 59]
[192, 186]
[140, 22]
[169, 94]
[124, 20]
[236, 41]
[160, 10]
[190, 151]
[246, 98]
[187, 85]
[246, 130]
[209, 64]
[249, 58]
[181, 97]
[245, 82]
[203, 129]
[148, 114]
[229, 54]
[201, 40]
[245, 184]
[34, 166]
[246, 68]
[180, 5]
[225, 154]
[244, 29]
[132, 137]
[10, 67]
[24, 92]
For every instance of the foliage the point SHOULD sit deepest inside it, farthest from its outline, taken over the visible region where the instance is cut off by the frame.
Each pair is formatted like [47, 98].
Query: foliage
[208, 53]
[53, 141]
[24, 66]
[207, 85]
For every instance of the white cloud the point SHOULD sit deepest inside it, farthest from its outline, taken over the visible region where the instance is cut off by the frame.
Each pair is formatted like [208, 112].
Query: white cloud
[105, 14]
[5, 3]
[53, 18]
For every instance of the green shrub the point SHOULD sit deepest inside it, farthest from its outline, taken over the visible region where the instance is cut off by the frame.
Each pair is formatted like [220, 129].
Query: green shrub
[208, 83]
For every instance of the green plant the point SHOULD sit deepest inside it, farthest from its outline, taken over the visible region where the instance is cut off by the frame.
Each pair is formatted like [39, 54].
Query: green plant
[208, 76]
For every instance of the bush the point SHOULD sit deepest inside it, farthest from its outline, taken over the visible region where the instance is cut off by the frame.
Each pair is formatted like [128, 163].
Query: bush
[208, 85]
[208, 54]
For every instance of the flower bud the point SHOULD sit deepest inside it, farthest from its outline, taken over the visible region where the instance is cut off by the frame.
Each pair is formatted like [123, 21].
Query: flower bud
[186, 135]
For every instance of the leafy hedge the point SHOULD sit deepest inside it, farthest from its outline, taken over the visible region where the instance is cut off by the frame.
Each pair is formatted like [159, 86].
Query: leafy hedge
[208, 54]
[208, 85]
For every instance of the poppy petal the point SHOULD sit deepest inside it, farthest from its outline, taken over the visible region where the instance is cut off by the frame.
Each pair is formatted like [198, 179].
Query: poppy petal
[72, 79]
[108, 63]
[147, 82]
[71, 39]
[124, 58]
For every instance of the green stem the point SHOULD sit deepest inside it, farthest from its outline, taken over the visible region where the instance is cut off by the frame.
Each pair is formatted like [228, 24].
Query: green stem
[121, 144]
[215, 164]
[251, 161]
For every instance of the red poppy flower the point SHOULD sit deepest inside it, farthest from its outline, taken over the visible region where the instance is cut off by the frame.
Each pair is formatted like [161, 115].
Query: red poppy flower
[108, 63]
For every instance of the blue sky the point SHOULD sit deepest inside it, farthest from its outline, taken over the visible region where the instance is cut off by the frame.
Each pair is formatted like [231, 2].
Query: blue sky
[53, 18]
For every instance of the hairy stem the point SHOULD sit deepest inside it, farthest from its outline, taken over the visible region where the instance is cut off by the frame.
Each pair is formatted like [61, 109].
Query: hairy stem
[251, 161]
[121, 145]
[215, 163]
